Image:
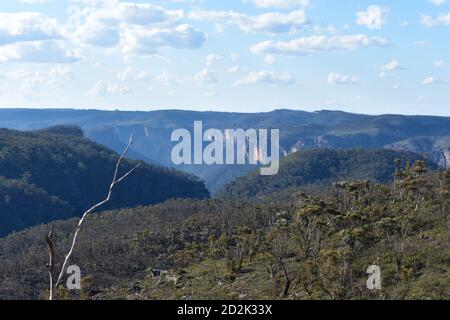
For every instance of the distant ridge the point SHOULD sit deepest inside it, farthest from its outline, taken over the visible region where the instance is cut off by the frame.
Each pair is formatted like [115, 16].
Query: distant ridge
[299, 130]
[315, 168]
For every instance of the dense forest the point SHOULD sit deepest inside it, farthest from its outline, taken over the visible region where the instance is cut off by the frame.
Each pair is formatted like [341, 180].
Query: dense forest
[57, 173]
[317, 169]
[310, 247]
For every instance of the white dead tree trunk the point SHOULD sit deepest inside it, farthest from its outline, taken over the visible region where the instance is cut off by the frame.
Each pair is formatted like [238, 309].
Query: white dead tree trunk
[50, 265]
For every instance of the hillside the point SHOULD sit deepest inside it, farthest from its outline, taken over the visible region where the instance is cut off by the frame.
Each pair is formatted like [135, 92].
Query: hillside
[314, 168]
[57, 173]
[306, 248]
[299, 130]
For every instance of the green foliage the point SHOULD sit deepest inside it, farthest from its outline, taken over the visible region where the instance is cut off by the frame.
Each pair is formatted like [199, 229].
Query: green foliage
[316, 168]
[302, 246]
[57, 174]
[311, 247]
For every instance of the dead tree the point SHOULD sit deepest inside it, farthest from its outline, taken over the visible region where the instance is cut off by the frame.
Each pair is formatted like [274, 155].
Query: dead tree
[50, 266]
[287, 277]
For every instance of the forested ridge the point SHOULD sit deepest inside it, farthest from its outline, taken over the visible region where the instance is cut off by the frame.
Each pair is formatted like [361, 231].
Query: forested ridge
[57, 173]
[299, 130]
[317, 169]
[310, 247]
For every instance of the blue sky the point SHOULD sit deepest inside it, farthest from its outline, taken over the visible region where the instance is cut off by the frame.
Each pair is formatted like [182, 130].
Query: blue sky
[237, 55]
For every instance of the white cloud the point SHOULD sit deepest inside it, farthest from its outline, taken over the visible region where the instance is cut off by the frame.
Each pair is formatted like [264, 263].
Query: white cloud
[325, 29]
[115, 13]
[373, 18]
[336, 78]
[437, 2]
[102, 88]
[388, 69]
[234, 69]
[32, 79]
[278, 3]
[32, 86]
[136, 28]
[439, 63]
[432, 80]
[423, 43]
[33, 37]
[267, 77]
[98, 3]
[38, 84]
[385, 75]
[129, 74]
[27, 26]
[272, 22]
[144, 41]
[145, 13]
[62, 71]
[34, 1]
[317, 44]
[212, 59]
[235, 57]
[97, 34]
[38, 52]
[210, 94]
[165, 78]
[269, 59]
[16, 74]
[441, 20]
[205, 76]
[392, 65]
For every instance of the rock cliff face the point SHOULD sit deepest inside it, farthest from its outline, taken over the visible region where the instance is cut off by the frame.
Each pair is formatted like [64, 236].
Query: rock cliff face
[437, 148]
[447, 158]
[441, 157]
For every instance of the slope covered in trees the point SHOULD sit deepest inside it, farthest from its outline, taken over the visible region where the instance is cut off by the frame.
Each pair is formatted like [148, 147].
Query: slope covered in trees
[315, 168]
[308, 248]
[298, 130]
[57, 173]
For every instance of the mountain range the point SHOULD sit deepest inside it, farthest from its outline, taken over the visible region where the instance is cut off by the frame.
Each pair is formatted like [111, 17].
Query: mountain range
[298, 130]
[333, 209]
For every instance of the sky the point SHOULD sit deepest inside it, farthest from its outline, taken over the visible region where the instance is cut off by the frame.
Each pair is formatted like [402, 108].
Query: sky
[371, 57]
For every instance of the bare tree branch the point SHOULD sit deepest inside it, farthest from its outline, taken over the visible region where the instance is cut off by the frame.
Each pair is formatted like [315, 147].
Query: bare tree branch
[50, 265]
[114, 182]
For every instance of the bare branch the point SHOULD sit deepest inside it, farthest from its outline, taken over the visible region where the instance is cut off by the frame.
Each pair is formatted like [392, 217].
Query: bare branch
[130, 142]
[50, 265]
[127, 174]
[114, 182]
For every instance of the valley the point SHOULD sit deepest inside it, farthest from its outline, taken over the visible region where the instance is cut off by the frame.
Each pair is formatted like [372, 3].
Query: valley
[338, 204]
[298, 130]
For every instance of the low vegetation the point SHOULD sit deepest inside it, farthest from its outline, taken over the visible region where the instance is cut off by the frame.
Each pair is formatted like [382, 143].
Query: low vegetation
[310, 247]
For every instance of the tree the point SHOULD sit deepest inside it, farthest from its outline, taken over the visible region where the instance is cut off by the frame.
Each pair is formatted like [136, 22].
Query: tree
[281, 247]
[445, 180]
[116, 180]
